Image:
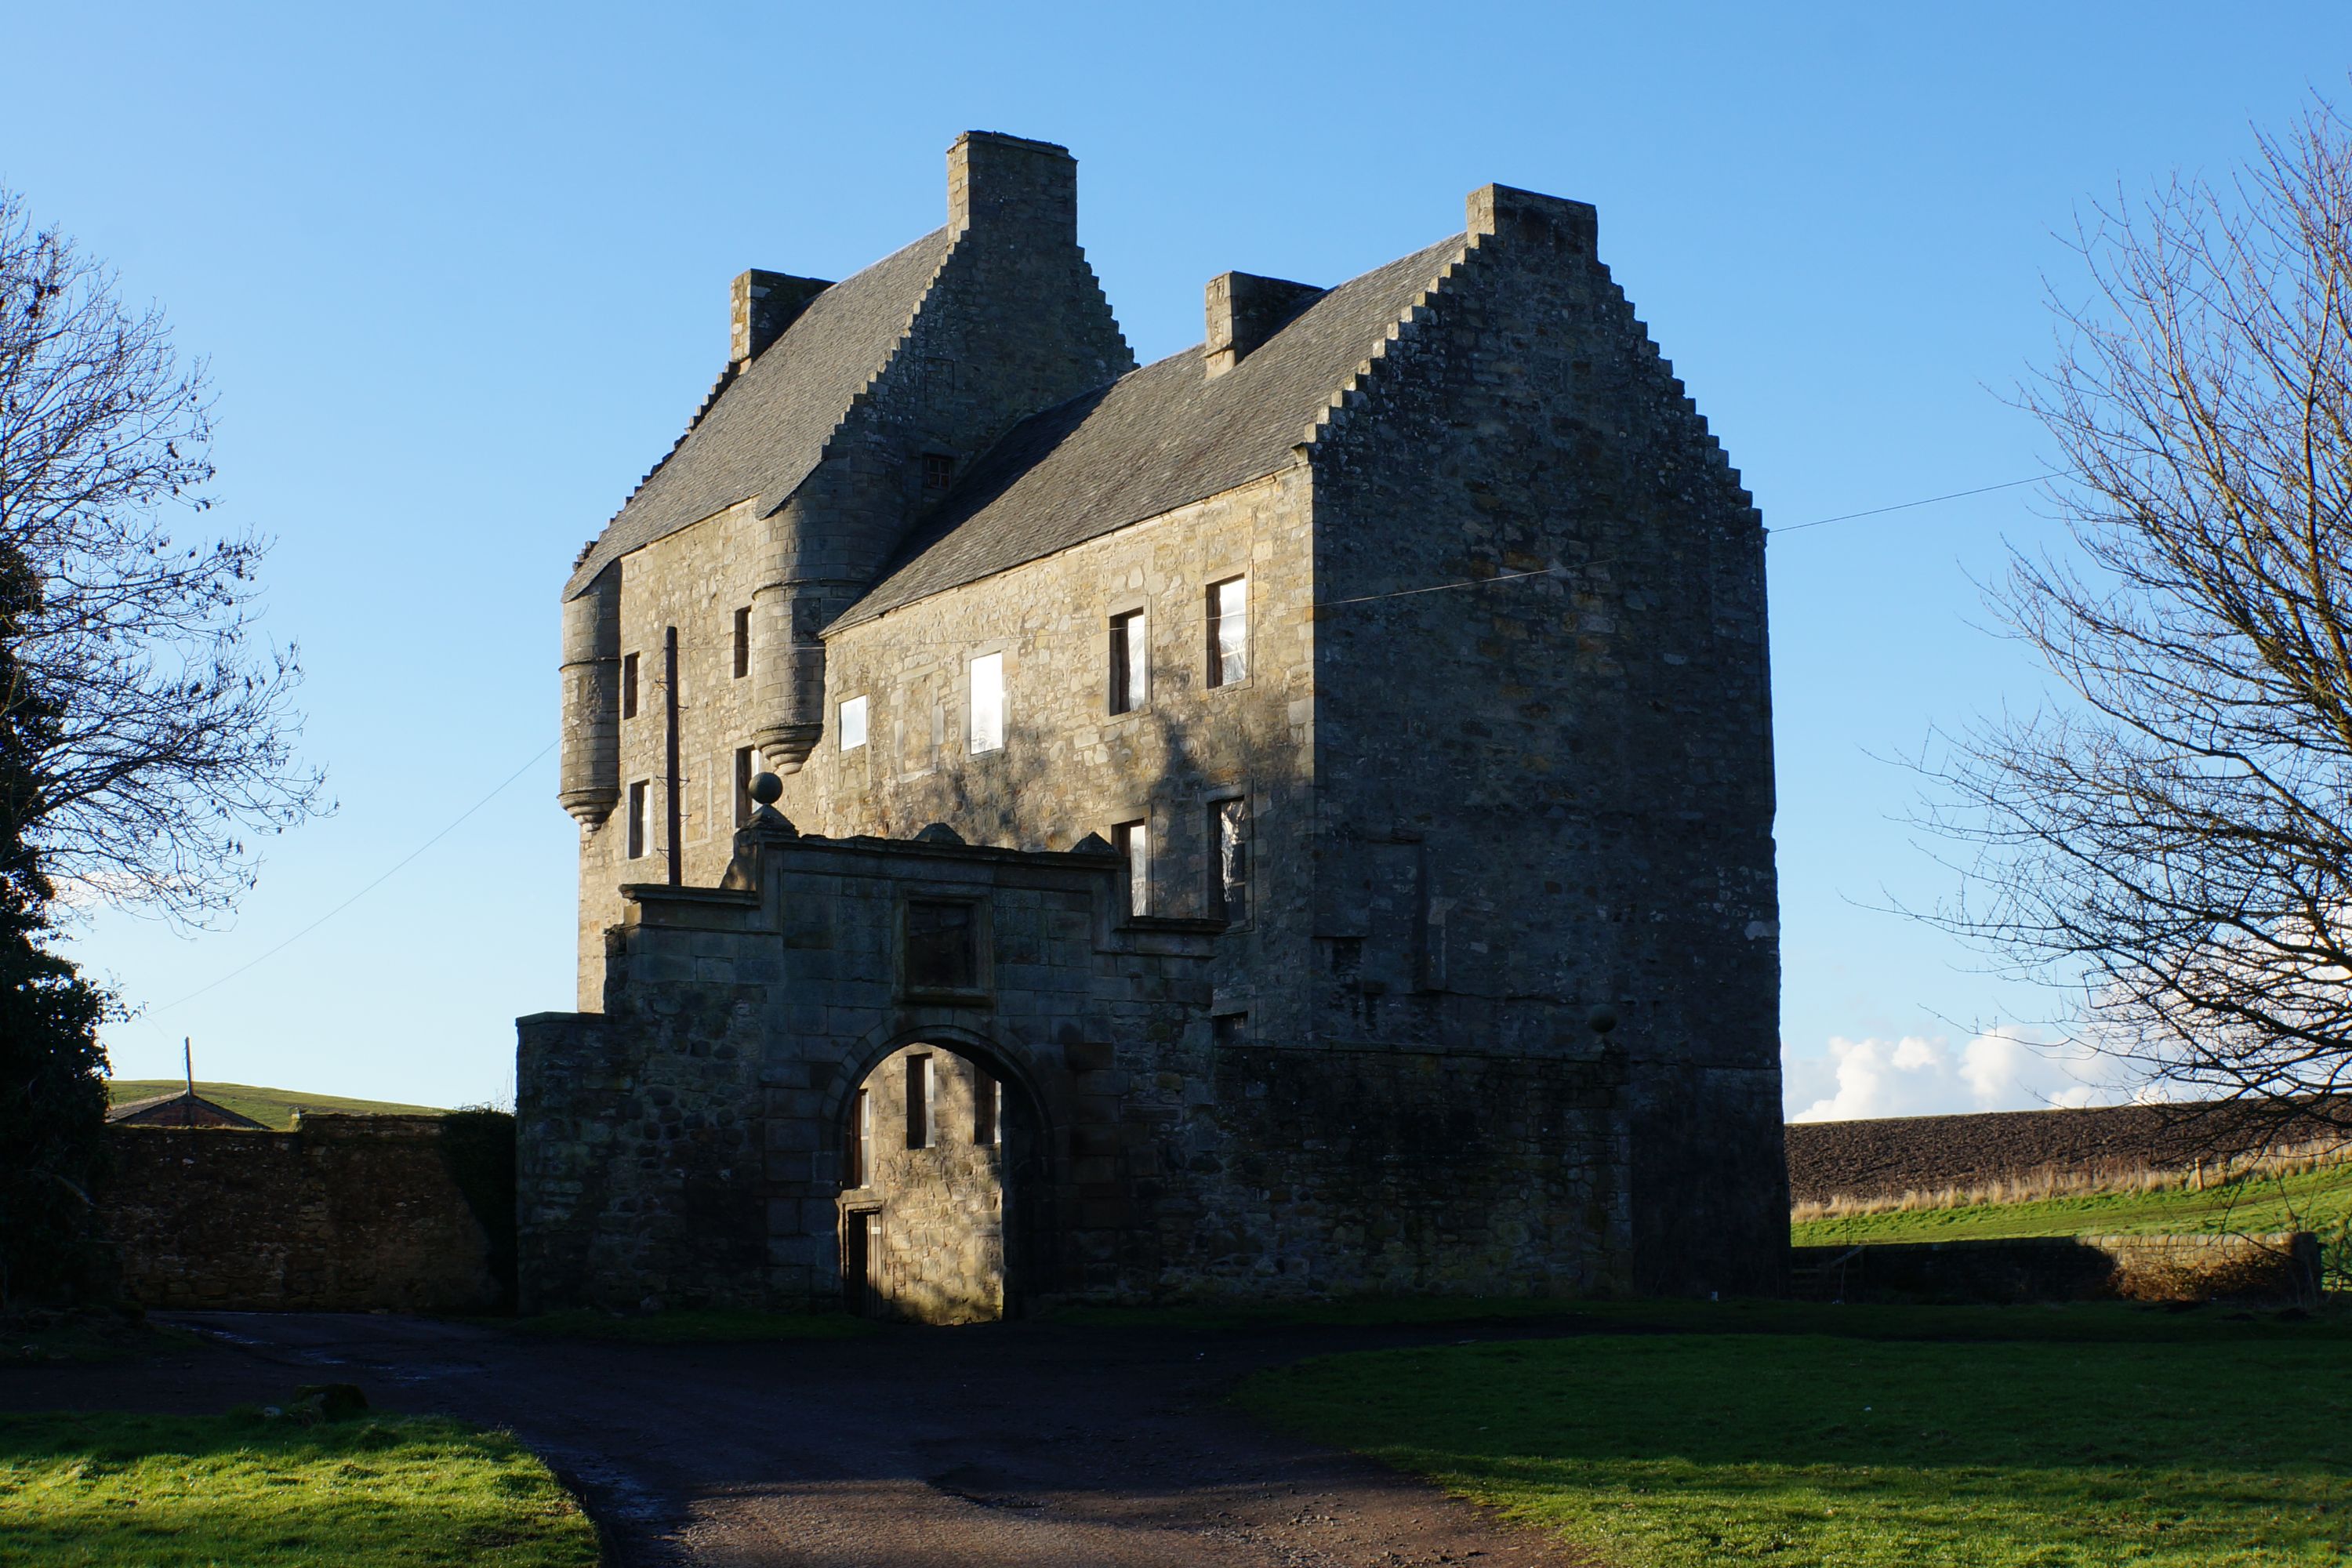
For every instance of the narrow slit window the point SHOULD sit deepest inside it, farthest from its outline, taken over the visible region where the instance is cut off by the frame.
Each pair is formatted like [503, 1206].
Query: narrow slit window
[641, 819]
[747, 763]
[1228, 631]
[1133, 841]
[861, 1134]
[1130, 667]
[1229, 861]
[743, 642]
[987, 1108]
[852, 723]
[987, 703]
[628, 686]
[920, 1083]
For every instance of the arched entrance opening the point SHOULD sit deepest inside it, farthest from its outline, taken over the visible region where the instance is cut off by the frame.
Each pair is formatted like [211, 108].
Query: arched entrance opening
[941, 1185]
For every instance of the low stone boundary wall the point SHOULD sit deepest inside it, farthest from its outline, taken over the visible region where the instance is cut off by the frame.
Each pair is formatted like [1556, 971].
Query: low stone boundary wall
[345, 1213]
[2279, 1268]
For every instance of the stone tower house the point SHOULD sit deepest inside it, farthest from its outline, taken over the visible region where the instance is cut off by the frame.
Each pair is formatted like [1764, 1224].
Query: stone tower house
[1295, 816]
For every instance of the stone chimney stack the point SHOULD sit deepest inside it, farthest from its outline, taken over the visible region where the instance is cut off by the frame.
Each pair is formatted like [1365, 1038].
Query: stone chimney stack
[1530, 217]
[1245, 309]
[1010, 185]
[762, 304]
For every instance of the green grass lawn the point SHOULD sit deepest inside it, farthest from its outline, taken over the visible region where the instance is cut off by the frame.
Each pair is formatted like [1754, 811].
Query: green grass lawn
[2307, 1200]
[192, 1492]
[2110, 1437]
[270, 1107]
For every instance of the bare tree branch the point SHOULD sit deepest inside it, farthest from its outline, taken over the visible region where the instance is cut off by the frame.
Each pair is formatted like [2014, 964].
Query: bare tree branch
[2175, 842]
[175, 724]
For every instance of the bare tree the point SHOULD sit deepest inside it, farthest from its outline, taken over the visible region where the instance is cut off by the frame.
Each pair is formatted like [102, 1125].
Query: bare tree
[173, 725]
[2175, 840]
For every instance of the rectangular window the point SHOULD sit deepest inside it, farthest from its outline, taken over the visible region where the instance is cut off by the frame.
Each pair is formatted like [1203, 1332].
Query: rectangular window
[1229, 1030]
[1133, 841]
[861, 1134]
[942, 945]
[747, 763]
[628, 686]
[641, 819]
[987, 1108]
[919, 1119]
[938, 470]
[987, 703]
[1228, 631]
[1229, 861]
[852, 723]
[1130, 666]
[743, 642]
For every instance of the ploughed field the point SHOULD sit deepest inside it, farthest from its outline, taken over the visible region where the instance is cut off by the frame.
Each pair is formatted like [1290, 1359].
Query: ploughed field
[1892, 1155]
[2128, 1171]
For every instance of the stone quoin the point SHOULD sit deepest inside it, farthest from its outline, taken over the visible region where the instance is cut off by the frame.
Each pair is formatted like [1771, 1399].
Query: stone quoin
[1295, 817]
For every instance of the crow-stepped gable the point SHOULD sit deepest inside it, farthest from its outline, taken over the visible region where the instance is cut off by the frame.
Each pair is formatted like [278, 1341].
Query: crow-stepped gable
[1292, 817]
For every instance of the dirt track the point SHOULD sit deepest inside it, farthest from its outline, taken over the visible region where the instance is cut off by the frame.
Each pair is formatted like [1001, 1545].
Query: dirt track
[1013, 1444]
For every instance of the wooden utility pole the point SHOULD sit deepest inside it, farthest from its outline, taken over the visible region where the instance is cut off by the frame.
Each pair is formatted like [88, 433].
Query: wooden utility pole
[669, 704]
[188, 1065]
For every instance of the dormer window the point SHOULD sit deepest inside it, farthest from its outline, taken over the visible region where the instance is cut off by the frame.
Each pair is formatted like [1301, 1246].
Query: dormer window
[938, 471]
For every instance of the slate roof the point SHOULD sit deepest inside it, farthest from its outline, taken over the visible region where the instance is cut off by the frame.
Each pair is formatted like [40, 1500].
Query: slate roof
[1154, 439]
[766, 430]
[180, 1109]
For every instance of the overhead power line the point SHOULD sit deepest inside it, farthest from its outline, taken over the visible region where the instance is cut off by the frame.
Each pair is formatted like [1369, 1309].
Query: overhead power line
[1328, 604]
[1907, 505]
[453, 824]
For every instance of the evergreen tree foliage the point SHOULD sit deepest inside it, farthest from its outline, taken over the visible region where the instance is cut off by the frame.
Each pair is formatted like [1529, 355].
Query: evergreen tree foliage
[52, 1084]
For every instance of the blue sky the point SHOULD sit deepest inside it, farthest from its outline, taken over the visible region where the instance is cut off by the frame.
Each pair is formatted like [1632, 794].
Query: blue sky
[462, 276]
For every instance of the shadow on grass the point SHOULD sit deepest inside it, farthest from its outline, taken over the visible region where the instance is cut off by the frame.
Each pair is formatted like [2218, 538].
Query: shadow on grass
[176, 1491]
[1829, 1449]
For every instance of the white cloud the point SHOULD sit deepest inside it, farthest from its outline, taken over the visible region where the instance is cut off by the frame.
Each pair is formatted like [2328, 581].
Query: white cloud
[2001, 1069]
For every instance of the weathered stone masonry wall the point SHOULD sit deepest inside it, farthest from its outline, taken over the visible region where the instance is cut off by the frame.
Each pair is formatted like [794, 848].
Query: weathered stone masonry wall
[345, 1213]
[942, 1256]
[685, 1148]
[1553, 796]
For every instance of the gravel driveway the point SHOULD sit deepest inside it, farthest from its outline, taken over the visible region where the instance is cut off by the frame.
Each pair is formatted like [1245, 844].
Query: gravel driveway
[1010, 1444]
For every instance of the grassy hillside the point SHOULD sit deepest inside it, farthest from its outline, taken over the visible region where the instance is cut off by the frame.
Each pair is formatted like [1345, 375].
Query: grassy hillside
[2318, 1199]
[270, 1107]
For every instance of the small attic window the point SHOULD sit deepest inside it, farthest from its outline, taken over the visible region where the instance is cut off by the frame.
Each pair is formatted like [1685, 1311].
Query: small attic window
[938, 471]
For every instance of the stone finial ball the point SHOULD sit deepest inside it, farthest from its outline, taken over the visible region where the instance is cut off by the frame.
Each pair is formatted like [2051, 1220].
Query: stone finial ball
[1603, 1018]
[767, 788]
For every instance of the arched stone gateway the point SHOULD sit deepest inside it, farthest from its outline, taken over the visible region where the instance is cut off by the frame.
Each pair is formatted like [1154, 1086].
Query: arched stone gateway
[947, 1184]
[700, 1141]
